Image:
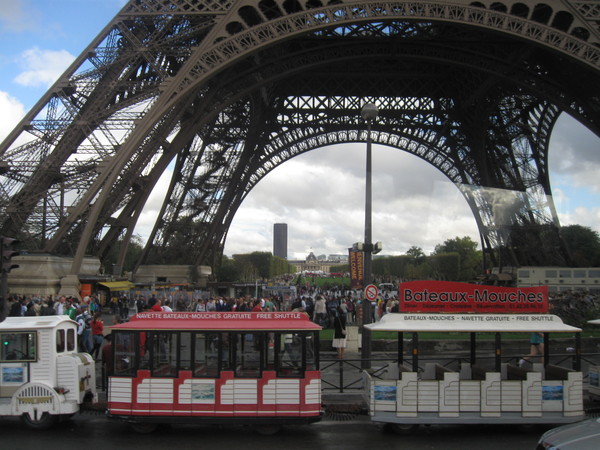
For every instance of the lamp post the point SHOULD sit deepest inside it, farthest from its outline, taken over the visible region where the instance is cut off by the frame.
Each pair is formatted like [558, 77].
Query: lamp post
[369, 113]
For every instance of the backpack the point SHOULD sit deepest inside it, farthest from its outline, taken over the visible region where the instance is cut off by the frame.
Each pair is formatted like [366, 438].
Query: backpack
[87, 320]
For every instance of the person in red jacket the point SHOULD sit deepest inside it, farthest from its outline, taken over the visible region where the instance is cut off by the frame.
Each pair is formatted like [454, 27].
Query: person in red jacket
[97, 334]
[156, 307]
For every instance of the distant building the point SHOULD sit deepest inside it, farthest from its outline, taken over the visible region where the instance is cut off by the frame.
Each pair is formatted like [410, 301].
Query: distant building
[313, 264]
[343, 258]
[280, 240]
[560, 279]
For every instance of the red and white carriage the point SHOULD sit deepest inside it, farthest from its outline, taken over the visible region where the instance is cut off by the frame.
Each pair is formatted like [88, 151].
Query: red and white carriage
[216, 367]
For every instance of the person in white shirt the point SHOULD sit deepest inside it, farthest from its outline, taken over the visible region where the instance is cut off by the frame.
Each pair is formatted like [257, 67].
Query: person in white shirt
[59, 306]
[320, 312]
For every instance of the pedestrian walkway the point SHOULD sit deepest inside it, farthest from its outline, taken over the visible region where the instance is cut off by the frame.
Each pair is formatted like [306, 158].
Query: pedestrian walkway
[342, 384]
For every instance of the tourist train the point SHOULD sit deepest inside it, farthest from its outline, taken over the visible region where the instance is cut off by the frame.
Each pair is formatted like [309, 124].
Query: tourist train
[43, 378]
[262, 369]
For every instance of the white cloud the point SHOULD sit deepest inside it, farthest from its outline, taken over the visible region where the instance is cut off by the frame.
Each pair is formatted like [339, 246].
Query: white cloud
[575, 154]
[588, 217]
[149, 215]
[320, 195]
[42, 67]
[11, 111]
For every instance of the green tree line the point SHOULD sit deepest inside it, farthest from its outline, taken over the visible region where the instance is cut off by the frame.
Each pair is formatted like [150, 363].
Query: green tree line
[459, 259]
[253, 266]
[456, 259]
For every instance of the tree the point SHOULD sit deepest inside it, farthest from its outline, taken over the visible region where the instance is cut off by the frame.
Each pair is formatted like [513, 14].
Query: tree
[280, 266]
[228, 270]
[416, 253]
[583, 244]
[134, 252]
[470, 258]
[392, 266]
[253, 266]
[445, 266]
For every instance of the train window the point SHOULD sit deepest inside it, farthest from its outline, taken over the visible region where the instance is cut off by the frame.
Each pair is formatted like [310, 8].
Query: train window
[144, 353]
[225, 351]
[18, 346]
[185, 351]
[71, 340]
[270, 351]
[311, 360]
[60, 341]
[164, 354]
[125, 350]
[206, 355]
[290, 356]
[248, 354]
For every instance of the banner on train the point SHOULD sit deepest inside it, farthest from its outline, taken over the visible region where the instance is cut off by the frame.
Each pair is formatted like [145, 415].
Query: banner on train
[453, 297]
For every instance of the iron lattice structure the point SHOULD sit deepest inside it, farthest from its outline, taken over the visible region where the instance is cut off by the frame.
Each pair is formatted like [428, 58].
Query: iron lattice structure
[223, 91]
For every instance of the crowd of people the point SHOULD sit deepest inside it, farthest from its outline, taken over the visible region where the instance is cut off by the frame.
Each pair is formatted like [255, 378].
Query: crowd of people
[333, 309]
[86, 312]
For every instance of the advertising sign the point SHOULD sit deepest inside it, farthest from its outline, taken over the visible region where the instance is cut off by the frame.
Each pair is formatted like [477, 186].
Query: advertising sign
[356, 269]
[452, 297]
[86, 289]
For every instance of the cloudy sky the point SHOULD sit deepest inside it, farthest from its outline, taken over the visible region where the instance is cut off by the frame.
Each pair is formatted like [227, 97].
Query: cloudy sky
[320, 195]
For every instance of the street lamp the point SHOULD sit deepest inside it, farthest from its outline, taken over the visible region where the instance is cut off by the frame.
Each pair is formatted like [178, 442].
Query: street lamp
[369, 113]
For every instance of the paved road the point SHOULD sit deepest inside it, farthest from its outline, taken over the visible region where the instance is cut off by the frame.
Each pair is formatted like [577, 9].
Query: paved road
[88, 431]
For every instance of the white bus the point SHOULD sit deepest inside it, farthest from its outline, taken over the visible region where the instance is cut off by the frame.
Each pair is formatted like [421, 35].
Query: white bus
[43, 378]
[475, 388]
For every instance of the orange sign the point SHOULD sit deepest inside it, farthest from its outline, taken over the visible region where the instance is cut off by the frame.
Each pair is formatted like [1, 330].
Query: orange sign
[86, 290]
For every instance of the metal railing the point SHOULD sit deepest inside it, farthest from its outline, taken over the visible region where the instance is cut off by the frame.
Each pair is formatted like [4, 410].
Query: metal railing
[347, 375]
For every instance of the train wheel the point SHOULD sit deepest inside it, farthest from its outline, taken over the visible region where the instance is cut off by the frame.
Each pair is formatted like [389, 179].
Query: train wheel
[267, 430]
[403, 428]
[144, 428]
[41, 422]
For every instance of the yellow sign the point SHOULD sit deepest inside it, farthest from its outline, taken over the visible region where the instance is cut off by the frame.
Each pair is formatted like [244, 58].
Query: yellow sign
[35, 400]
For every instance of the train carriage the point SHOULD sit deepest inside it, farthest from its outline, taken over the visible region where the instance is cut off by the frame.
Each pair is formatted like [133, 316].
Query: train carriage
[474, 389]
[215, 367]
[43, 376]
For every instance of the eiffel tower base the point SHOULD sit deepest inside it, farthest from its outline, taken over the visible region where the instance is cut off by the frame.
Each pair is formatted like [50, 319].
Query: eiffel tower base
[48, 275]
